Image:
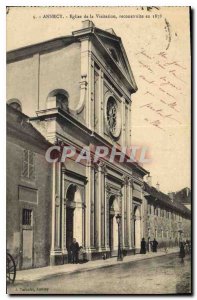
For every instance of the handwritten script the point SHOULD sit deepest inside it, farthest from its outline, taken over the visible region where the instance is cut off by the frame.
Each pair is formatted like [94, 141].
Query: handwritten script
[163, 85]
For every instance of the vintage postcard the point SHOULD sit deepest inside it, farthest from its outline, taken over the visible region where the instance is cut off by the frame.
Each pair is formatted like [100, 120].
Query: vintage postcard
[98, 150]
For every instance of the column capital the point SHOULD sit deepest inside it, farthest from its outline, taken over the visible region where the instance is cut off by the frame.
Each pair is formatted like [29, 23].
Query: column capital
[100, 166]
[126, 180]
[108, 191]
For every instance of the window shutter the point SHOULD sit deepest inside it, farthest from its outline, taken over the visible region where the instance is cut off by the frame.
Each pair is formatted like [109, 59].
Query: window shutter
[28, 168]
[25, 163]
[31, 165]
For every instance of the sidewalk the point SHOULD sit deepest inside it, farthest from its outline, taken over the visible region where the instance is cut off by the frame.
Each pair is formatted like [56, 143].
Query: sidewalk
[31, 275]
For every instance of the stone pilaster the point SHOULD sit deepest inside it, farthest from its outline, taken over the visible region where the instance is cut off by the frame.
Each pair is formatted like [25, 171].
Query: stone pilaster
[63, 216]
[123, 121]
[129, 213]
[100, 207]
[101, 104]
[88, 215]
[56, 250]
[107, 197]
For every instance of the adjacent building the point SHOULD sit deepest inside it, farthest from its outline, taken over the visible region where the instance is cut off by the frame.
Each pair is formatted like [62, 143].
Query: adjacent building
[183, 196]
[29, 208]
[167, 220]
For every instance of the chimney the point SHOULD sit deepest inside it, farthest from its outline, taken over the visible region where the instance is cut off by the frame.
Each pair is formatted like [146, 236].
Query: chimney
[87, 24]
[149, 179]
[157, 186]
[171, 195]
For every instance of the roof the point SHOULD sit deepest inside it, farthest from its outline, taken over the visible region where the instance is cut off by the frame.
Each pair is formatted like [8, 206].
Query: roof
[105, 41]
[166, 200]
[183, 196]
[18, 124]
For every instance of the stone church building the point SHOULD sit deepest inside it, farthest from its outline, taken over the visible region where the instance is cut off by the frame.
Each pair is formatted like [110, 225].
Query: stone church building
[77, 90]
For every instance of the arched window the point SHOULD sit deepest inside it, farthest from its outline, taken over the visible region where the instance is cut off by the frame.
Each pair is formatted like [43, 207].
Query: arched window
[15, 103]
[58, 98]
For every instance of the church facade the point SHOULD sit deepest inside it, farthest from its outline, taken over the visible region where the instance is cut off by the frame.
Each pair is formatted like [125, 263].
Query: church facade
[77, 91]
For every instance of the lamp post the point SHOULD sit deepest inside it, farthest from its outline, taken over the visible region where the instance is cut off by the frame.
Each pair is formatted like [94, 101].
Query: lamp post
[118, 220]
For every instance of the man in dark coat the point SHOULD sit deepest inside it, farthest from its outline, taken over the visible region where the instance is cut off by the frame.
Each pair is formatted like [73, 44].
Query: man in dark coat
[74, 248]
[155, 244]
[143, 246]
[182, 252]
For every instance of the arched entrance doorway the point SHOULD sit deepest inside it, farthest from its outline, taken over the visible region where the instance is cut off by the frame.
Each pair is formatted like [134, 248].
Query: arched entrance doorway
[113, 226]
[74, 216]
[137, 227]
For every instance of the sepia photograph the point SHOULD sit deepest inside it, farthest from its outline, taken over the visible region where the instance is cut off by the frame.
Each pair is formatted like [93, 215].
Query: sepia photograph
[98, 148]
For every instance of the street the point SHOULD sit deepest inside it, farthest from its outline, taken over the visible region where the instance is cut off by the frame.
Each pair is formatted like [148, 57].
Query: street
[160, 275]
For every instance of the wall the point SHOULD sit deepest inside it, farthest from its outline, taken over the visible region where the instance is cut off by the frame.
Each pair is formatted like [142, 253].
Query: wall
[61, 70]
[22, 83]
[31, 80]
[41, 211]
[169, 225]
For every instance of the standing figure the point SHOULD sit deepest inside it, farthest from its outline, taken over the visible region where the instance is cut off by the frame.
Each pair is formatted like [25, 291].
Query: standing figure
[74, 248]
[148, 245]
[182, 252]
[143, 246]
[155, 244]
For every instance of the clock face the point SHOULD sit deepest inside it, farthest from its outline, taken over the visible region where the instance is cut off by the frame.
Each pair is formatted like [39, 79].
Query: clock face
[112, 117]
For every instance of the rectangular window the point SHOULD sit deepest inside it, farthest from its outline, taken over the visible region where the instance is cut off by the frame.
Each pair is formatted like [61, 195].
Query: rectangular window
[27, 217]
[28, 168]
[162, 212]
[159, 212]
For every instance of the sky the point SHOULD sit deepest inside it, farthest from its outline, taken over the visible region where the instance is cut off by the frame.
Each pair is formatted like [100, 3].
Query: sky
[157, 43]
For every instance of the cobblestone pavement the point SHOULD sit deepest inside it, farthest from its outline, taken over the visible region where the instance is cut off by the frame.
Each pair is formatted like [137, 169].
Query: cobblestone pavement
[159, 275]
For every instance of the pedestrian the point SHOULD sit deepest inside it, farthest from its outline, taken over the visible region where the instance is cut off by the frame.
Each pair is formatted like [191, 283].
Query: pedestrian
[186, 247]
[182, 252]
[155, 244]
[74, 248]
[176, 241]
[143, 246]
[148, 245]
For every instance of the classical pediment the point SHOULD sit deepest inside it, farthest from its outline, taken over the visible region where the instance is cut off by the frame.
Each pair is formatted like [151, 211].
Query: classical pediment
[115, 49]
